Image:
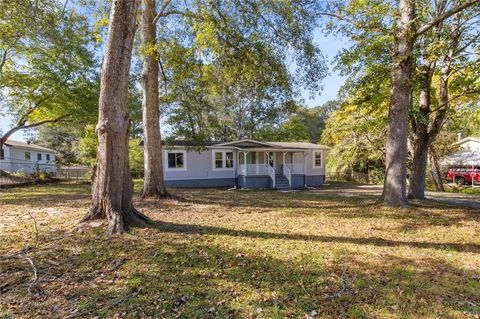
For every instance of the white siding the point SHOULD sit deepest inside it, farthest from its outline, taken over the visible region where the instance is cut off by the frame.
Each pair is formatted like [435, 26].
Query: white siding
[198, 166]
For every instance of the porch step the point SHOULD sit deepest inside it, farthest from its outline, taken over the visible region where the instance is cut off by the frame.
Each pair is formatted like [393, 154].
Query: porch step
[281, 182]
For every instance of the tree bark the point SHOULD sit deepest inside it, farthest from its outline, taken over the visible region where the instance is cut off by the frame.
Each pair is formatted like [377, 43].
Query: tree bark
[435, 169]
[153, 183]
[423, 137]
[112, 186]
[421, 140]
[394, 188]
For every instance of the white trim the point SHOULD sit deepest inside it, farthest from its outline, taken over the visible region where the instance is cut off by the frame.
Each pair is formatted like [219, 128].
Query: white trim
[273, 156]
[165, 158]
[224, 160]
[468, 139]
[321, 158]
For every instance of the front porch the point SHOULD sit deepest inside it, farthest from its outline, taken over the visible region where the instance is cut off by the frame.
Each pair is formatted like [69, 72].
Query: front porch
[271, 169]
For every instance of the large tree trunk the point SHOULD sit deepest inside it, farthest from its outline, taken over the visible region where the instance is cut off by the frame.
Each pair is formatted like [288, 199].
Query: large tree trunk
[435, 169]
[394, 188]
[153, 183]
[421, 140]
[112, 186]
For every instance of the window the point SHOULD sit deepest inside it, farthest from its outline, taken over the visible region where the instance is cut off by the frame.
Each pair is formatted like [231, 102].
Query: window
[48, 157]
[176, 160]
[317, 159]
[218, 160]
[222, 160]
[229, 159]
[27, 156]
[2, 154]
[39, 156]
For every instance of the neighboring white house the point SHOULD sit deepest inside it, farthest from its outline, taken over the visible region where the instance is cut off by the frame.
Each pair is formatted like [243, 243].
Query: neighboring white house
[468, 154]
[26, 157]
[470, 143]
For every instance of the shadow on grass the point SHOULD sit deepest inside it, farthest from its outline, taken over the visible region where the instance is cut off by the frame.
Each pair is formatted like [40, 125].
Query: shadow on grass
[173, 275]
[376, 241]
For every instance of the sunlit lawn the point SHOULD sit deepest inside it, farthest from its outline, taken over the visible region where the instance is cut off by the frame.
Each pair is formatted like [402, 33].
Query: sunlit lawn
[240, 254]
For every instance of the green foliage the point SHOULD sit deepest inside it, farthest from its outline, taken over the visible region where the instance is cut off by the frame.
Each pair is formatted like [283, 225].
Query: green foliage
[304, 124]
[135, 156]
[42, 176]
[59, 139]
[48, 63]
[227, 65]
[356, 133]
[87, 146]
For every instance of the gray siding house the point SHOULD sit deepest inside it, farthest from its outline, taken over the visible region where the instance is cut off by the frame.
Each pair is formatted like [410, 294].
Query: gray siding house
[244, 164]
[25, 157]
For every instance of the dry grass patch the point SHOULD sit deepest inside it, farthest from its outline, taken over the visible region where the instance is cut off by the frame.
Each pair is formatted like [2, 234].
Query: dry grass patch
[241, 254]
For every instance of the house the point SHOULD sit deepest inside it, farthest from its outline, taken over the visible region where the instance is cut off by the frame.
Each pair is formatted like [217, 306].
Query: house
[467, 155]
[26, 157]
[470, 143]
[245, 164]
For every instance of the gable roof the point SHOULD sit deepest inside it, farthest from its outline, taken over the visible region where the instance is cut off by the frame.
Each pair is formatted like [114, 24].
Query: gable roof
[304, 145]
[468, 139]
[31, 146]
[247, 143]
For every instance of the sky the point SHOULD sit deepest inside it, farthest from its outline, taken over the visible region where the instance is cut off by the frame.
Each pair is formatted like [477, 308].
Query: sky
[329, 46]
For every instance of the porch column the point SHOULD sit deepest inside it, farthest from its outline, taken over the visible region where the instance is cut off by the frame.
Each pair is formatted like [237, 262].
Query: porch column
[284, 155]
[305, 154]
[245, 162]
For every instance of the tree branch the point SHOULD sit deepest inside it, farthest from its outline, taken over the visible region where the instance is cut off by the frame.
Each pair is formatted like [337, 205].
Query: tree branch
[3, 60]
[162, 11]
[447, 14]
[5, 136]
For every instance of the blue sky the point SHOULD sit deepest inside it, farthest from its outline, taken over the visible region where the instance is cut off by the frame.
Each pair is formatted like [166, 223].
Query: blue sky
[329, 45]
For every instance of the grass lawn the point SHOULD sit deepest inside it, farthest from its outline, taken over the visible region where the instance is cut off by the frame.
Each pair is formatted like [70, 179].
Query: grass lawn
[240, 254]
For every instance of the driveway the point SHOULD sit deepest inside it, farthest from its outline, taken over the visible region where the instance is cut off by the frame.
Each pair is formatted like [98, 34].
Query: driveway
[345, 189]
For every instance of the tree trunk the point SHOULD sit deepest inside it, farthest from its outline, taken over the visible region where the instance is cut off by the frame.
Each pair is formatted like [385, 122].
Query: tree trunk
[394, 188]
[421, 140]
[112, 186]
[153, 183]
[435, 169]
[416, 187]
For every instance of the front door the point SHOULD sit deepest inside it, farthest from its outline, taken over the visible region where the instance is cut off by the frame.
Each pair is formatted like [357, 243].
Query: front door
[278, 163]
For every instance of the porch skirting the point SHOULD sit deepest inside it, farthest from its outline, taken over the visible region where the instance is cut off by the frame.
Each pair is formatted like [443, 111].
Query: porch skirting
[252, 182]
[315, 180]
[194, 183]
[258, 181]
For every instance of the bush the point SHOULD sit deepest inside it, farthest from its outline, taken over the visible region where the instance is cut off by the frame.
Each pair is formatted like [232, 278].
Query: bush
[42, 176]
[376, 176]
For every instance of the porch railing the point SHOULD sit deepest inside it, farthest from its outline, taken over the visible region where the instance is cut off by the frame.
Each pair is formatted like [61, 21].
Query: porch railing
[296, 168]
[287, 174]
[271, 173]
[253, 169]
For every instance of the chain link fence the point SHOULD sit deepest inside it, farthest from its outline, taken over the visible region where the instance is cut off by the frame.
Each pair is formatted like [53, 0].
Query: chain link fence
[20, 173]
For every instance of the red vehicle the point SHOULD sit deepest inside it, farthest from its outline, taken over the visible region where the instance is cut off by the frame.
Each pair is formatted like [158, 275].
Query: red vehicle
[464, 175]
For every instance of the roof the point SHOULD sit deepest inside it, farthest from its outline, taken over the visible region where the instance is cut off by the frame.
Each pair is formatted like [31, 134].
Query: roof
[299, 145]
[469, 138]
[248, 144]
[19, 144]
[465, 158]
